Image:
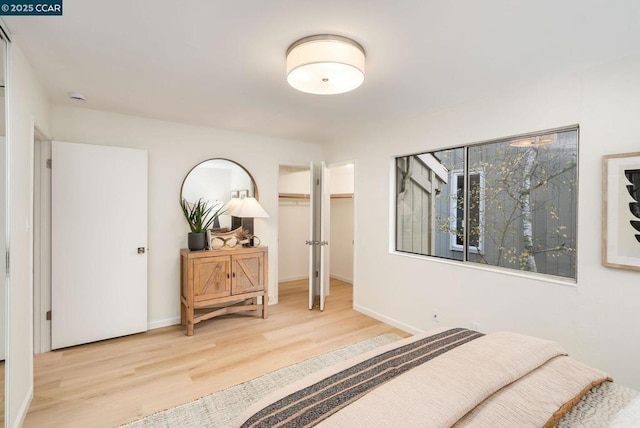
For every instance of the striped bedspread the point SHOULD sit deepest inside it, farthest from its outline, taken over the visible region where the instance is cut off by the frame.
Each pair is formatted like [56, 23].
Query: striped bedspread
[454, 377]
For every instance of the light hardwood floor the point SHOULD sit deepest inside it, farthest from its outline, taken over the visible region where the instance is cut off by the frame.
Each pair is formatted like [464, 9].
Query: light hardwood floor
[108, 383]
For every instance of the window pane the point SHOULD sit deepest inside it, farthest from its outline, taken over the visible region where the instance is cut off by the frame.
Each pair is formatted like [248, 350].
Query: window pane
[530, 203]
[425, 223]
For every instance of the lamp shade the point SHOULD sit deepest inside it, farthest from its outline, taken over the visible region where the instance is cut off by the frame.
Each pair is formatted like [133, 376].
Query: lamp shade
[246, 207]
[325, 65]
[232, 205]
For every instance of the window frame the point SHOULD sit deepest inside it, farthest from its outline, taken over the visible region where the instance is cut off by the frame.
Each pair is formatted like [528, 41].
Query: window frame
[453, 224]
[557, 278]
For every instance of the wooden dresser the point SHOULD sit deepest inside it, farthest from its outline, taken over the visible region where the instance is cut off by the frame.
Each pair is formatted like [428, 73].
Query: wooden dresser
[221, 282]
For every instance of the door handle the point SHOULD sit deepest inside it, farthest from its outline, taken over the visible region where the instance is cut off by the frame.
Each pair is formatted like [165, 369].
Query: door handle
[141, 250]
[321, 243]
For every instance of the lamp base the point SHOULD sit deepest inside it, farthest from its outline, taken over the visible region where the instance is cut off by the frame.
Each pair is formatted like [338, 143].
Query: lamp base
[245, 222]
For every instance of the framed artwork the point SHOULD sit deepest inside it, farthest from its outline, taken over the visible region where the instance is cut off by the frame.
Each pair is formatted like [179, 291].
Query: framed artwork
[621, 211]
[244, 193]
[235, 194]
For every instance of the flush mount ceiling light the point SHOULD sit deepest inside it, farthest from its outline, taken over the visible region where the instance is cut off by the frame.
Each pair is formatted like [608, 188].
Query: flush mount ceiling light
[77, 96]
[325, 64]
[535, 141]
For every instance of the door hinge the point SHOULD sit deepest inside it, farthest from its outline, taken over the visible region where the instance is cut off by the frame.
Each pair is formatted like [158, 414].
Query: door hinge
[317, 181]
[48, 163]
[7, 262]
[317, 274]
[48, 315]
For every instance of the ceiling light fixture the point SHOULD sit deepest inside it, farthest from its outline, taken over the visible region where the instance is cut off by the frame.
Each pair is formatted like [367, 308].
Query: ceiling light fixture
[325, 64]
[535, 141]
[77, 96]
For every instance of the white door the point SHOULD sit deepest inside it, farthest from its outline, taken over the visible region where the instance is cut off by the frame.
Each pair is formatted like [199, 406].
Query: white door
[325, 216]
[3, 231]
[319, 235]
[98, 243]
[313, 234]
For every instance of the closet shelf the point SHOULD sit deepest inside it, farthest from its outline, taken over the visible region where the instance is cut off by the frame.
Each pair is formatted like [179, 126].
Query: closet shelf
[305, 196]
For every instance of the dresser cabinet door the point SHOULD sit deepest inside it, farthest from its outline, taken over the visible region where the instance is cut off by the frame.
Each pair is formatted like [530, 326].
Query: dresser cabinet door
[211, 278]
[247, 272]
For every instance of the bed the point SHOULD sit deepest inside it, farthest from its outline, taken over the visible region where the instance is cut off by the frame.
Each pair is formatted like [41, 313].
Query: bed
[450, 378]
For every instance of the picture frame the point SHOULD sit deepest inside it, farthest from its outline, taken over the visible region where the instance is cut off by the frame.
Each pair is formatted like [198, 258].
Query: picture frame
[235, 194]
[243, 193]
[621, 211]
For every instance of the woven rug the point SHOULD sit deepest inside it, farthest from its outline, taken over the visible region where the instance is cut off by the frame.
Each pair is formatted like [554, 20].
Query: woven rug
[221, 408]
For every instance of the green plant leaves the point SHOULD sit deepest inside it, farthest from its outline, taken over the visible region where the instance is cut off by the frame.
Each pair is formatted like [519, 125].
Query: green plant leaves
[200, 215]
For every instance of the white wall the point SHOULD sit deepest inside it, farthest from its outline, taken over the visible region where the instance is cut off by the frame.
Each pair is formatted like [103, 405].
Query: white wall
[597, 319]
[293, 230]
[173, 150]
[27, 106]
[293, 225]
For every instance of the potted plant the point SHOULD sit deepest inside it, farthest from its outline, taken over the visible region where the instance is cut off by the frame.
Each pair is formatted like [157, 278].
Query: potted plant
[200, 217]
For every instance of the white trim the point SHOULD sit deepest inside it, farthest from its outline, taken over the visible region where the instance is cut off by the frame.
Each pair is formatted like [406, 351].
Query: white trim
[393, 204]
[435, 165]
[7, 298]
[152, 325]
[391, 321]
[42, 253]
[341, 278]
[293, 278]
[543, 277]
[24, 409]
[453, 192]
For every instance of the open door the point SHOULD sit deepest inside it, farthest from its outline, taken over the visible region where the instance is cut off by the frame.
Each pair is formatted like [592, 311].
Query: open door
[98, 243]
[319, 235]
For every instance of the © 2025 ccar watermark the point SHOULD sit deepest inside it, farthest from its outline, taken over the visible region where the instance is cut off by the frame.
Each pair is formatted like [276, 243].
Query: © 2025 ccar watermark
[31, 7]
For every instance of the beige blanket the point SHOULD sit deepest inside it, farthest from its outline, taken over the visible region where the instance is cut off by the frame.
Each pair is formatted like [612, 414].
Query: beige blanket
[501, 379]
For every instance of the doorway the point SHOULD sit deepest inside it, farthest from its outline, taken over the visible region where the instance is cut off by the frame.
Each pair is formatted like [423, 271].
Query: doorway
[294, 224]
[90, 243]
[41, 243]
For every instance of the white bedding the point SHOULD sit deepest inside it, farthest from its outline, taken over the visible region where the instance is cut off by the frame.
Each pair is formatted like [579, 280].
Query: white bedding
[501, 379]
[628, 417]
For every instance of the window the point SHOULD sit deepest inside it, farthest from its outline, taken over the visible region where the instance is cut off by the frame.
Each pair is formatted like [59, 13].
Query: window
[508, 203]
[475, 211]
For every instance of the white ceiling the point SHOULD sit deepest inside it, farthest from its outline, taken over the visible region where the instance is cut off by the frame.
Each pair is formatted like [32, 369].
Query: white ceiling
[222, 63]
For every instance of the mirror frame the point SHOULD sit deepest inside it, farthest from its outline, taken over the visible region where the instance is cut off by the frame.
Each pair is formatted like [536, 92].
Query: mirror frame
[255, 185]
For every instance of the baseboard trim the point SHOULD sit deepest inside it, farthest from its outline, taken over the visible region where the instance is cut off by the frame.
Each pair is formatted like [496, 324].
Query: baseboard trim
[343, 279]
[293, 278]
[163, 323]
[391, 321]
[24, 408]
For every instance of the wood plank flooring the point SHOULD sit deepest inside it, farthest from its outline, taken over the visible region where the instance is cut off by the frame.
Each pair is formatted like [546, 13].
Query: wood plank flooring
[108, 383]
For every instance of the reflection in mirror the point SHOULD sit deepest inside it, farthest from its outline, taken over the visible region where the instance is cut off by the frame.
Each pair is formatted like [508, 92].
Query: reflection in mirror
[215, 181]
[3, 225]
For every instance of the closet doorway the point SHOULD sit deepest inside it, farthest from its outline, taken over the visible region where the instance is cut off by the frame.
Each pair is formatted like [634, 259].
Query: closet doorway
[295, 223]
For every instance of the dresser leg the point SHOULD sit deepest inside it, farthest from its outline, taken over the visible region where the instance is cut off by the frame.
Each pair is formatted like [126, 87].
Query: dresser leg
[265, 306]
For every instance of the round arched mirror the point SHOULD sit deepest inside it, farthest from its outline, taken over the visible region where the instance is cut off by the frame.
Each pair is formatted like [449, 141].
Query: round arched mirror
[217, 181]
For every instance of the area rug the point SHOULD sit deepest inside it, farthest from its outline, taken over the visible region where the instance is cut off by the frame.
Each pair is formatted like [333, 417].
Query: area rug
[221, 408]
